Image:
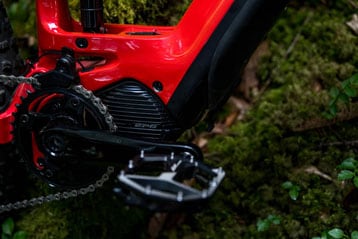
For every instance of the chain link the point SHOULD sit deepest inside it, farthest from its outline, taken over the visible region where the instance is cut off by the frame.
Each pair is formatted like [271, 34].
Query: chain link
[13, 81]
[58, 196]
[98, 103]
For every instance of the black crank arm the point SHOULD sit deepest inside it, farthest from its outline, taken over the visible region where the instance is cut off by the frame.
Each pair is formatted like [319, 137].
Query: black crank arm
[158, 176]
[117, 143]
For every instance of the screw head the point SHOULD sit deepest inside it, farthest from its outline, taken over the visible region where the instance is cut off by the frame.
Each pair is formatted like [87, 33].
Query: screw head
[81, 42]
[157, 86]
[24, 118]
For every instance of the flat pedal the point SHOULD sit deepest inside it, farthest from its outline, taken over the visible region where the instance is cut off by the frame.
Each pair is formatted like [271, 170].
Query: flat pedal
[168, 182]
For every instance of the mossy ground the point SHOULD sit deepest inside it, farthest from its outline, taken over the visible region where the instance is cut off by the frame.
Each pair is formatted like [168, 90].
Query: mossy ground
[283, 137]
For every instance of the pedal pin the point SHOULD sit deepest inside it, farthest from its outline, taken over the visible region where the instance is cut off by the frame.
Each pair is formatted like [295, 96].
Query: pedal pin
[204, 194]
[213, 184]
[142, 154]
[130, 164]
[180, 196]
[148, 190]
[172, 156]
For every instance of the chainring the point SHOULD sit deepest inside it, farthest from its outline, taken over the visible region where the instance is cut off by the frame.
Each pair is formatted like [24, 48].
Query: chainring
[50, 156]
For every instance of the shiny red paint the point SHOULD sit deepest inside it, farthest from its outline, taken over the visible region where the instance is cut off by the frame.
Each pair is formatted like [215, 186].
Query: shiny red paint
[7, 117]
[37, 106]
[164, 57]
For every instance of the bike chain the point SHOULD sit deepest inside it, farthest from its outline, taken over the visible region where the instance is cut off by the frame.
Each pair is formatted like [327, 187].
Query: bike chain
[12, 81]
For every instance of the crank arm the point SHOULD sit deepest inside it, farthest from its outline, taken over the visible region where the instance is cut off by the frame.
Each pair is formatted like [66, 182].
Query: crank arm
[117, 143]
[158, 176]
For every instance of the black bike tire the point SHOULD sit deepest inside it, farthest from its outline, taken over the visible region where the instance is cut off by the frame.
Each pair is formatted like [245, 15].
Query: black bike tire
[11, 63]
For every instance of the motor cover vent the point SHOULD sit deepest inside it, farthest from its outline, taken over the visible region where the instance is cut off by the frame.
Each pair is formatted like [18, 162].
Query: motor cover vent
[138, 112]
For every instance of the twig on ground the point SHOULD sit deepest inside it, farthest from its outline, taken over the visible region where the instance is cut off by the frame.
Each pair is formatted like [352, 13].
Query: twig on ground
[340, 143]
[316, 171]
[353, 4]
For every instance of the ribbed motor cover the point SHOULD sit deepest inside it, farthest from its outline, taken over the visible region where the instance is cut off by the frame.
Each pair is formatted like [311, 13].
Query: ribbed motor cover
[138, 112]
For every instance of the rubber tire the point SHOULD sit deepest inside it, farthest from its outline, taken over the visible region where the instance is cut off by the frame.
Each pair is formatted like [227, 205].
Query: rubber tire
[10, 64]
[10, 61]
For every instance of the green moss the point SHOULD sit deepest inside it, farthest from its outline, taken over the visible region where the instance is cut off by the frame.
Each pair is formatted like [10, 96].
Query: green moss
[47, 221]
[98, 215]
[157, 12]
[22, 16]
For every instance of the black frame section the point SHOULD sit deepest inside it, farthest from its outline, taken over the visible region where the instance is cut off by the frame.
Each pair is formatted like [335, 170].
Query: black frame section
[215, 72]
[92, 15]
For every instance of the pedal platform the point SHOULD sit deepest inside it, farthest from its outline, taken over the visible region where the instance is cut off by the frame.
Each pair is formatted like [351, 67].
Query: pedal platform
[168, 182]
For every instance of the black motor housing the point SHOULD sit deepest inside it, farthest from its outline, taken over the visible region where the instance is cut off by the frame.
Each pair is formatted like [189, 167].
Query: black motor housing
[138, 112]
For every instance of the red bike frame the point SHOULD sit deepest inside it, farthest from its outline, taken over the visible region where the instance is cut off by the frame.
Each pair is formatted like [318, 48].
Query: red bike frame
[162, 57]
[191, 66]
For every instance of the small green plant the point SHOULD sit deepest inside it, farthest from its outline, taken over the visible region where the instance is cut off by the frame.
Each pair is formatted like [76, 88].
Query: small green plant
[347, 90]
[264, 224]
[293, 189]
[337, 233]
[8, 230]
[349, 170]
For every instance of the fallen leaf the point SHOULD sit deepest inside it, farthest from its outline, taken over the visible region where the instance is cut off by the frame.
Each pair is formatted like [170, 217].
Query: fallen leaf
[353, 24]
